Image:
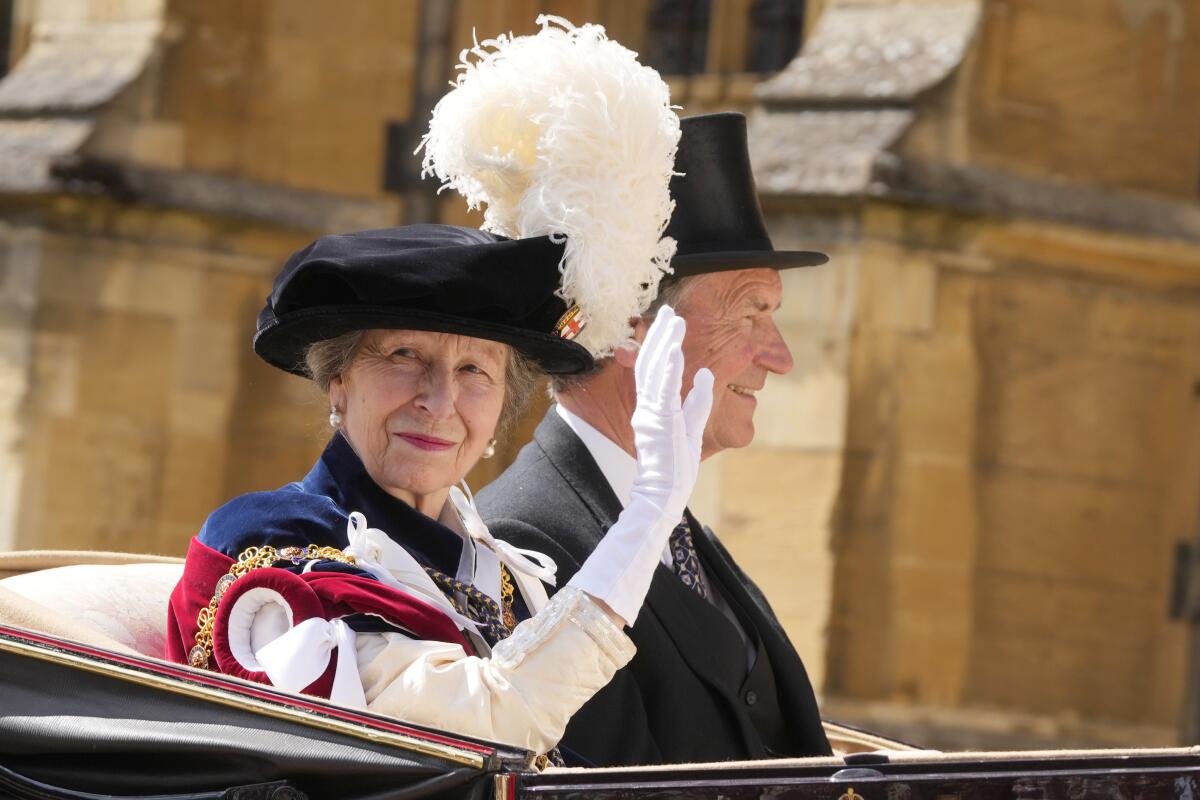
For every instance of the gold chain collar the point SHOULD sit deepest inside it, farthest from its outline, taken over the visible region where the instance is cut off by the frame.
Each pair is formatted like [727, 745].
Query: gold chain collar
[250, 559]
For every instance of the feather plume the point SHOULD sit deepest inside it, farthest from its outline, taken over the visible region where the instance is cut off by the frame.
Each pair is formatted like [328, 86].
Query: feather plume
[564, 133]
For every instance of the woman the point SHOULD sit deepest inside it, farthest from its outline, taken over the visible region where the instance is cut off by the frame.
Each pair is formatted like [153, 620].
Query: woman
[373, 581]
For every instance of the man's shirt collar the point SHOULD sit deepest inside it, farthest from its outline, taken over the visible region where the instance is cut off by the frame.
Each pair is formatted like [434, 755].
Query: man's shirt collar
[619, 467]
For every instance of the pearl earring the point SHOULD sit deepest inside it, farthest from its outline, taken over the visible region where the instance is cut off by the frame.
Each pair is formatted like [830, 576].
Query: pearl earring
[335, 418]
[490, 450]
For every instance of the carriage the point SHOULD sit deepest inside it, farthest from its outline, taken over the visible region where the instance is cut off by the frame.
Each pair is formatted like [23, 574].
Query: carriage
[89, 709]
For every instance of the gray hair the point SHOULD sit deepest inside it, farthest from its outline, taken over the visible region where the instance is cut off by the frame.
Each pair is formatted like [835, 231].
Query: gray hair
[672, 292]
[327, 359]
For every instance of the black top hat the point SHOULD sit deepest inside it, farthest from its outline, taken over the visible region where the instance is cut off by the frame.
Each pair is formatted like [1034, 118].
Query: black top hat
[718, 224]
[423, 277]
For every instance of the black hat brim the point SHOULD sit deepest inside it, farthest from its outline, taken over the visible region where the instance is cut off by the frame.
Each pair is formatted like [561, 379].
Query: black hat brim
[283, 342]
[700, 263]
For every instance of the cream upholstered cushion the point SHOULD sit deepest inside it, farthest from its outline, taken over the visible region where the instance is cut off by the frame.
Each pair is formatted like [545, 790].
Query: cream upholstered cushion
[125, 602]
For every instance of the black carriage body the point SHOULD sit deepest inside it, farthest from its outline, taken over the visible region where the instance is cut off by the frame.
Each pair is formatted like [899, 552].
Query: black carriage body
[76, 722]
[1136, 775]
[79, 722]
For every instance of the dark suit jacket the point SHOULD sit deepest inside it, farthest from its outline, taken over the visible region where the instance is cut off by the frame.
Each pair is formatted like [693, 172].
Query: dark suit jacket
[686, 695]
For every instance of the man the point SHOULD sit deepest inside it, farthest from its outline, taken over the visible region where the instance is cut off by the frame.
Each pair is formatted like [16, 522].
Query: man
[715, 677]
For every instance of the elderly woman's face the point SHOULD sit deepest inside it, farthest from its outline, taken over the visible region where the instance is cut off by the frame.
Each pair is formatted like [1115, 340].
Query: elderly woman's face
[419, 408]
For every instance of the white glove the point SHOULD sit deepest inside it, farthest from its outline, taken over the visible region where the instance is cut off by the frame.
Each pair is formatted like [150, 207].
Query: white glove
[668, 437]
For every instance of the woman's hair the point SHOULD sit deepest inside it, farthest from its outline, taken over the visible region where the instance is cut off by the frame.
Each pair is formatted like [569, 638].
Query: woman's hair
[327, 359]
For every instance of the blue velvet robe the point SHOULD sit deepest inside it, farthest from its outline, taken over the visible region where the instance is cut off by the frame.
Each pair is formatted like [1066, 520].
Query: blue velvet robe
[316, 509]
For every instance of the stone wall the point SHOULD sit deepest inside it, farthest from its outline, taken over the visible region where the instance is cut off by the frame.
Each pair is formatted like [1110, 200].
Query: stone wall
[1023, 453]
[143, 409]
[18, 295]
[288, 93]
[1100, 92]
[1089, 458]
[1021, 442]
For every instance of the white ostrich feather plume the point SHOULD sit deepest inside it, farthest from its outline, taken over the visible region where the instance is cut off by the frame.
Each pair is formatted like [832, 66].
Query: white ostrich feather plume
[564, 133]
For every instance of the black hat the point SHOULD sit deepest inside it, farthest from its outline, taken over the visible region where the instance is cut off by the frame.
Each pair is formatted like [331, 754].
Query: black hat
[423, 277]
[718, 224]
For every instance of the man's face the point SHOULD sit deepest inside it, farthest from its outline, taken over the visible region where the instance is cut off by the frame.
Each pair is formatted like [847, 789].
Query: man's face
[731, 330]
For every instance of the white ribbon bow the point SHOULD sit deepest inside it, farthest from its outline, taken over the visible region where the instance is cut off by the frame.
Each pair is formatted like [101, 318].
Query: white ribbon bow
[300, 656]
[375, 552]
[528, 562]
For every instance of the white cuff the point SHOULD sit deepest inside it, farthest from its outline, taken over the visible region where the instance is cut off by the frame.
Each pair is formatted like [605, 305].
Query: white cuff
[569, 605]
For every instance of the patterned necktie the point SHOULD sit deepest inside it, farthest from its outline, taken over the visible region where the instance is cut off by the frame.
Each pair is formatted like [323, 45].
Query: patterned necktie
[683, 553]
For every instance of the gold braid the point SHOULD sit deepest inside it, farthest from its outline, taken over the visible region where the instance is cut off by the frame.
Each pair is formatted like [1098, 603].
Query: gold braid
[506, 598]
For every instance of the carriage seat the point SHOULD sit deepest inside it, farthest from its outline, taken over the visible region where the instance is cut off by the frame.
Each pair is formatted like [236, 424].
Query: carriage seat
[121, 599]
[118, 601]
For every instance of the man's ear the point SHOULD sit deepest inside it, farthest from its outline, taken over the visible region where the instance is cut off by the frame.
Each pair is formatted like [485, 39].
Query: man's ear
[625, 356]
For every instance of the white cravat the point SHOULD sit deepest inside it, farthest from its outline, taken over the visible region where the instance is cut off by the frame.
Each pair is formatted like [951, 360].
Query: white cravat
[618, 467]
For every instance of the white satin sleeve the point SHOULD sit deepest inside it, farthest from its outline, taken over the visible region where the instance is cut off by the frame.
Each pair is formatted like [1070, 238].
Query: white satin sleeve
[523, 695]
